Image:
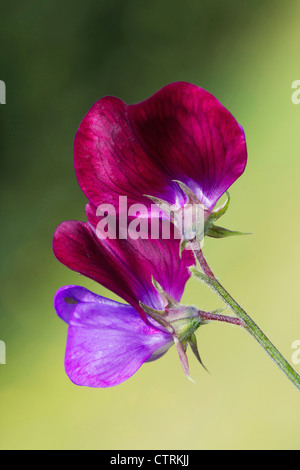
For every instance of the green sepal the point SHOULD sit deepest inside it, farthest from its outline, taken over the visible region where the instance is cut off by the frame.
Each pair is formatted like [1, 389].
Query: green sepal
[167, 298]
[192, 198]
[217, 213]
[183, 245]
[220, 310]
[162, 204]
[183, 357]
[179, 343]
[194, 347]
[200, 275]
[150, 311]
[179, 320]
[214, 231]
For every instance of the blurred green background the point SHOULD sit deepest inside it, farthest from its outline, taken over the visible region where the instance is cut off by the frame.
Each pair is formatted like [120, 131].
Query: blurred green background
[57, 58]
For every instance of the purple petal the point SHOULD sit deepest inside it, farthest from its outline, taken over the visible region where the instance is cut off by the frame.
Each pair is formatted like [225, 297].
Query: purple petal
[107, 341]
[187, 131]
[68, 297]
[125, 267]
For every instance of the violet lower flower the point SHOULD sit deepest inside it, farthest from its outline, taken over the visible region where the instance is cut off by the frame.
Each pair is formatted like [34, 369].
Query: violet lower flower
[179, 146]
[108, 341]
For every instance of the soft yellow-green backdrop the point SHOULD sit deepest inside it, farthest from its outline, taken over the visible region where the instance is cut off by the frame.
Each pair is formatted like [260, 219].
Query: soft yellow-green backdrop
[57, 58]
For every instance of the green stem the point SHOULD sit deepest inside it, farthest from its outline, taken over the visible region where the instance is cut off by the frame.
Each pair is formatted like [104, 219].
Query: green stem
[209, 278]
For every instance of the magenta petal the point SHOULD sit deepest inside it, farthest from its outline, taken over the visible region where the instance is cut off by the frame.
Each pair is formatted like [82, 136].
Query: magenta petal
[110, 161]
[107, 341]
[180, 133]
[188, 132]
[125, 267]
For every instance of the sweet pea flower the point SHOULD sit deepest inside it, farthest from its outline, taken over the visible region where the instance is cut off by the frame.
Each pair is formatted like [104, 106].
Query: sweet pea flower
[179, 146]
[108, 341]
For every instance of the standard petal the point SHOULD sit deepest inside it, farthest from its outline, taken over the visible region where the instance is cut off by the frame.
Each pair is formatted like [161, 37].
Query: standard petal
[110, 161]
[193, 137]
[107, 341]
[125, 267]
